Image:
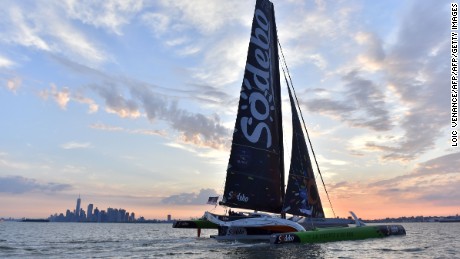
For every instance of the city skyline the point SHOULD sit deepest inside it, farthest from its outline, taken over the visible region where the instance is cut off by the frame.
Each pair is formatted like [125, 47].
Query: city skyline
[111, 215]
[133, 103]
[96, 215]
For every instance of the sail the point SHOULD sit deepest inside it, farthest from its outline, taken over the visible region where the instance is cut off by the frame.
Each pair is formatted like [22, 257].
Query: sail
[302, 196]
[255, 173]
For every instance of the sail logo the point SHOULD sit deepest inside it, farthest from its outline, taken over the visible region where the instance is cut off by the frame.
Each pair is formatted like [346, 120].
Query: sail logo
[394, 229]
[256, 94]
[234, 231]
[285, 238]
[240, 196]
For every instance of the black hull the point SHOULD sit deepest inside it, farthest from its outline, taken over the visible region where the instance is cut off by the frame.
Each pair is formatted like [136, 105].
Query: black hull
[35, 220]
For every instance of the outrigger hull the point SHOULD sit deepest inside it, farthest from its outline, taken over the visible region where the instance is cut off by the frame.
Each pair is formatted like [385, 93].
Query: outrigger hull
[338, 234]
[199, 224]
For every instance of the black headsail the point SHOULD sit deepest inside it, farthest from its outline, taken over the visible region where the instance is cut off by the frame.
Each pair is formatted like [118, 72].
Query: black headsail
[302, 196]
[255, 173]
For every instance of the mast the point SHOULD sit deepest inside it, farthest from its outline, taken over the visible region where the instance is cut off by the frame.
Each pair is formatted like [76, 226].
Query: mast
[276, 77]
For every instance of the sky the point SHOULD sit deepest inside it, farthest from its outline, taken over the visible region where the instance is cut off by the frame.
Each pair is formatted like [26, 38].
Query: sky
[131, 104]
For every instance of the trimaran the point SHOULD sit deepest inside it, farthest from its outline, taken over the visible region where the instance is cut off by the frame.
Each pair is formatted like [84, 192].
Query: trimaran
[255, 174]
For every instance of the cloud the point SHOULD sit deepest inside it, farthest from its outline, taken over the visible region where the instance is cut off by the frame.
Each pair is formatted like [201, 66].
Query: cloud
[19, 185]
[324, 160]
[321, 33]
[92, 106]
[182, 147]
[224, 20]
[374, 55]
[435, 181]
[5, 62]
[111, 15]
[195, 128]
[64, 96]
[22, 31]
[416, 72]
[115, 102]
[66, 38]
[125, 97]
[4, 162]
[101, 126]
[362, 104]
[159, 24]
[13, 84]
[190, 198]
[447, 164]
[204, 16]
[440, 166]
[211, 95]
[129, 98]
[431, 184]
[40, 26]
[363, 101]
[76, 145]
[395, 83]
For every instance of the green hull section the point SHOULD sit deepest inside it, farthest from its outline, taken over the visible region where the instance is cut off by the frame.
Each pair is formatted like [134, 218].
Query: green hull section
[199, 223]
[338, 234]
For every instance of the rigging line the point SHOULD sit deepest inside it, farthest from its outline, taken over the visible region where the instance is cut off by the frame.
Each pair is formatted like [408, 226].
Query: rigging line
[303, 121]
[222, 189]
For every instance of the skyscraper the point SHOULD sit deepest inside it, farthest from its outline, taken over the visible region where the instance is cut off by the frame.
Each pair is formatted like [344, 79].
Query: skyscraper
[90, 212]
[77, 210]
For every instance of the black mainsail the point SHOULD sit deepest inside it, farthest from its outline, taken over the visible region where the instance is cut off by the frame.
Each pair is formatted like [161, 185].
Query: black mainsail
[255, 173]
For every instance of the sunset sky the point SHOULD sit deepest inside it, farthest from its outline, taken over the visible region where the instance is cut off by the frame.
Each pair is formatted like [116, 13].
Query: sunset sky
[131, 104]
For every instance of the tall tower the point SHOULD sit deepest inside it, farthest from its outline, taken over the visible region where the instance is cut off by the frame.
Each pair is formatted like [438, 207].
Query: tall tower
[77, 210]
[90, 212]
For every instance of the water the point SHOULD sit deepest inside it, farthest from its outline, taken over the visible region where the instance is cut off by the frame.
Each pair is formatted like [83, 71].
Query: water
[80, 240]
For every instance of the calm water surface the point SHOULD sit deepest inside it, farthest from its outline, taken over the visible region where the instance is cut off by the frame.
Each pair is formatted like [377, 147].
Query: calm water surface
[87, 240]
